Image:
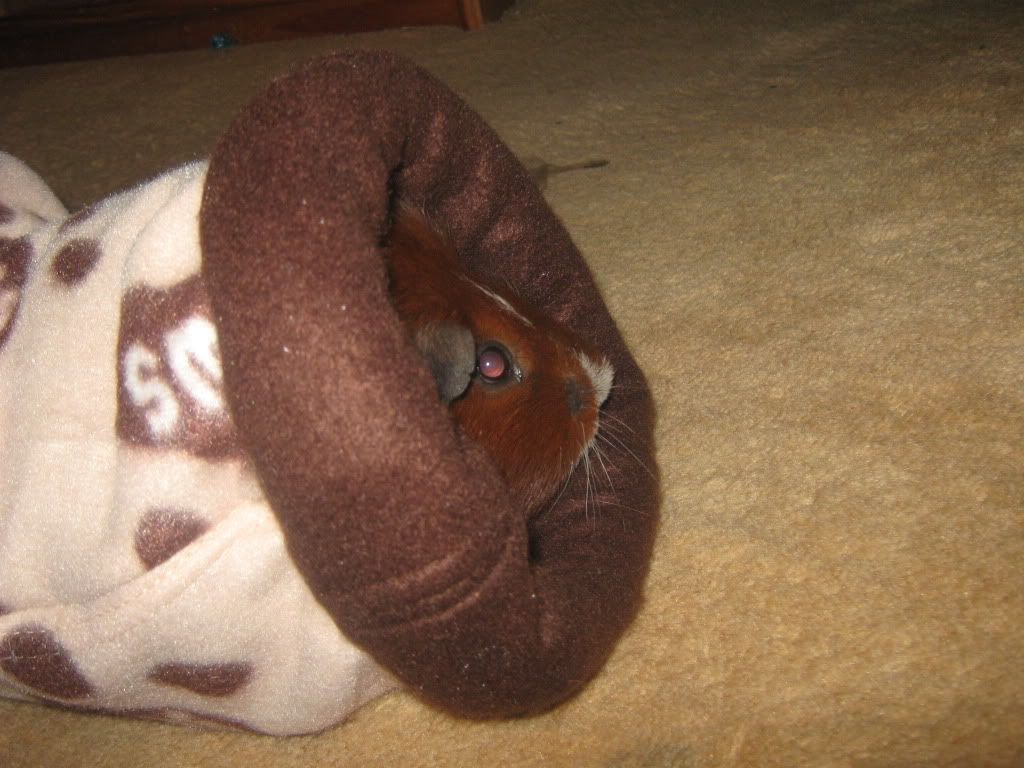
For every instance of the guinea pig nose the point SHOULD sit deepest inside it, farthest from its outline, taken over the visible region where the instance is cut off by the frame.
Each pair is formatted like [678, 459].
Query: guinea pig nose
[574, 395]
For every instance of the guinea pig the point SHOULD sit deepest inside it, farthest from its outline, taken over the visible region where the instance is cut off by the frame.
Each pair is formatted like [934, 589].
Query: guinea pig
[522, 386]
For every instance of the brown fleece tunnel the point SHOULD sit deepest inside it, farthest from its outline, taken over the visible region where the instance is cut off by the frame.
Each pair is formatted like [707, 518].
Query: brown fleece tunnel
[405, 533]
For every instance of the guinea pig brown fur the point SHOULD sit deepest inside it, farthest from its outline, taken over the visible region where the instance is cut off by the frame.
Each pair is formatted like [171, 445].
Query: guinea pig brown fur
[524, 387]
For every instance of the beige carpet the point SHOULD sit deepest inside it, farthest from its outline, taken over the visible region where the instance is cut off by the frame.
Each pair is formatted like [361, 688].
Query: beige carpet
[811, 230]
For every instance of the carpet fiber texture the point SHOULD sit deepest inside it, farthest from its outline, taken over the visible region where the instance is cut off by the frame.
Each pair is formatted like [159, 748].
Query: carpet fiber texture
[810, 229]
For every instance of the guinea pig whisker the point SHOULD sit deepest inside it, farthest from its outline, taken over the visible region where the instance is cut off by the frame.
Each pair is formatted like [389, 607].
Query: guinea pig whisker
[586, 466]
[611, 428]
[613, 424]
[616, 420]
[606, 441]
[593, 476]
[616, 505]
[592, 492]
[604, 467]
[601, 496]
[508, 284]
[561, 492]
[606, 461]
[611, 432]
[617, 443]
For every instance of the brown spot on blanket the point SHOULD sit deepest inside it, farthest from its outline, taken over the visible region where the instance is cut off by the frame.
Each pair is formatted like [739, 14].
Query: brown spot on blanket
[14, 259]
[6, 214]
[75, 260]
[164, 532]
[33, 656]
[204, 679]
[405, 533]
[169, 373]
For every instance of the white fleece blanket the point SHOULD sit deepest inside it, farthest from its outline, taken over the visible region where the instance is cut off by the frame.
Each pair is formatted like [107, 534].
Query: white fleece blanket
[141, 570]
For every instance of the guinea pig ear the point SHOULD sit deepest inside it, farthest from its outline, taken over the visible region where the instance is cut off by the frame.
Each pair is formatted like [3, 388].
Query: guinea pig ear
[450, 353]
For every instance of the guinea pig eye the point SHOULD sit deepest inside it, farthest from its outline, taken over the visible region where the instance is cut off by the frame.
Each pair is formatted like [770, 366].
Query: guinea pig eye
[494, 364]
